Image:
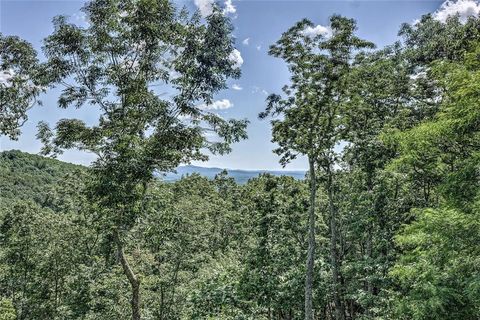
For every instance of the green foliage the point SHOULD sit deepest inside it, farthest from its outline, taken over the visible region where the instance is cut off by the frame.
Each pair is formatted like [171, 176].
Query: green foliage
[429, 40]
[122, 63]
[21, 84]
[7, 311]
[438, 270]
[30, 177]
[271, 277]
[309, 113]
[391, 137]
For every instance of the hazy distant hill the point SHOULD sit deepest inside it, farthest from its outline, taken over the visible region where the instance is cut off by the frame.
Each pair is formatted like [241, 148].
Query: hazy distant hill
[29, 176]
[240, 176]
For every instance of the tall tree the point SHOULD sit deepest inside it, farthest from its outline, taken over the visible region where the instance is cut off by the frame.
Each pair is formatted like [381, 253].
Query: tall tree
[310, 121]
[340, 49]
[129, 55]
[378, 88]
[300, 118]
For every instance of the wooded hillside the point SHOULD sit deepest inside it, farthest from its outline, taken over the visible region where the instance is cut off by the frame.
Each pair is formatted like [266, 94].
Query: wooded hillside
[386, 224]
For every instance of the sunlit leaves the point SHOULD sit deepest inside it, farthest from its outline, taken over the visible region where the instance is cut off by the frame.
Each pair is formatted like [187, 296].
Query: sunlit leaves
[21, 82]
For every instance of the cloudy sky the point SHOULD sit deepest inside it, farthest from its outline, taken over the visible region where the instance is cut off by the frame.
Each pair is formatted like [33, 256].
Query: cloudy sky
[258, 24]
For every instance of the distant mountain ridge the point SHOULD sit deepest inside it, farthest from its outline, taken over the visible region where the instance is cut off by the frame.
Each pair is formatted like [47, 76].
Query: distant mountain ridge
[240, 176]
[19, 169]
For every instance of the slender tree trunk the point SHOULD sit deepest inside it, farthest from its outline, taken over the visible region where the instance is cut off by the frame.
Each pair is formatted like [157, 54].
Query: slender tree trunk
[311, 244]
[369, 256]
[339, 312]
[370, 242]
[132, 278]
[370, 270]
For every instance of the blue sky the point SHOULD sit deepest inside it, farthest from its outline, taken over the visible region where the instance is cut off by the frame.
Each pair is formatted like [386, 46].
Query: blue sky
[261, 22]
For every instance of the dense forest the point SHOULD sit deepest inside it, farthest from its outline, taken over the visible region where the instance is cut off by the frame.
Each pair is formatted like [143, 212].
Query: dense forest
[385, 225]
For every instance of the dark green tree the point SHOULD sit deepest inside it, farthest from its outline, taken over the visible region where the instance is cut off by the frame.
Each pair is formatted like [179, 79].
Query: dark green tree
[311, 121]
[435, 283]
[121, 64]
[272, 274]
[377, 95]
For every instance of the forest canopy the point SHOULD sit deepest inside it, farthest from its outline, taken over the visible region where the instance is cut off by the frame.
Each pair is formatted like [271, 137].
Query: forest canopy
[384, 225]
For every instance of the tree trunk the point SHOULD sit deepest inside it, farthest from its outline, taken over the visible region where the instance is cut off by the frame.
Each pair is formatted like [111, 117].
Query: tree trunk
[132, 278]
[369, 248]
[311, 244]
[339, 312]
[369, 274]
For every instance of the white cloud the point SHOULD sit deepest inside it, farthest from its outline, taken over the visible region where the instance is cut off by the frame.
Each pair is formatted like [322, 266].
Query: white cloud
[6, 77]
[236, 87]
[259, 47]
[229, 7]
[81, 18]
[317, 30]
[246, 41]
[205, 6]
[236, 58]
[465, 9]
[174, 74]
[256, 89]
[217, 105]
